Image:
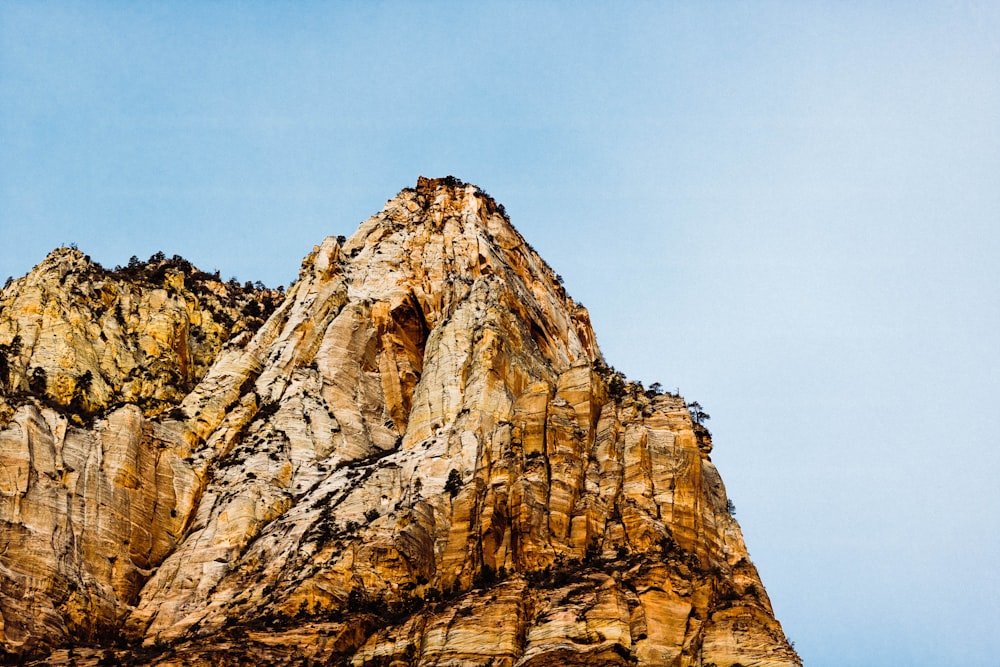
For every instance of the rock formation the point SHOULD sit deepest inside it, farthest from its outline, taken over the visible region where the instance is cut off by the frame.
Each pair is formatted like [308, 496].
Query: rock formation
[419, 458]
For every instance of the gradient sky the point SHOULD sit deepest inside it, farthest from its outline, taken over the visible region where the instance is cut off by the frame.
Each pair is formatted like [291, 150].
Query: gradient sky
[790, 211]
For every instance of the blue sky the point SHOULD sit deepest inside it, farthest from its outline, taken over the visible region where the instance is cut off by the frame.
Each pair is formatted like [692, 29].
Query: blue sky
[788, 210]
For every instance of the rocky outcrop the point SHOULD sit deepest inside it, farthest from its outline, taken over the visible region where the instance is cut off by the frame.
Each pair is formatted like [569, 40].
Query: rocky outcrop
[419, 458]
[85, 340]
[94, 488]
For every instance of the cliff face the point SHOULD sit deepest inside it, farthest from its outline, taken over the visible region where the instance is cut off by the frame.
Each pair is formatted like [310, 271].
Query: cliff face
[420, 458]
[85, 340]
[93, 491]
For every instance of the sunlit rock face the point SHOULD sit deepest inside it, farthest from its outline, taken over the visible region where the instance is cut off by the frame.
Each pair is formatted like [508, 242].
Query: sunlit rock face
[420, 458]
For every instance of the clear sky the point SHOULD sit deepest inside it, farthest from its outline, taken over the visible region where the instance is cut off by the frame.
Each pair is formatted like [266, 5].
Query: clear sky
[790, 211]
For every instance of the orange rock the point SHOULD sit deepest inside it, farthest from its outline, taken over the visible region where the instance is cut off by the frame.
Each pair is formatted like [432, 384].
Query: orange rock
[418, 459]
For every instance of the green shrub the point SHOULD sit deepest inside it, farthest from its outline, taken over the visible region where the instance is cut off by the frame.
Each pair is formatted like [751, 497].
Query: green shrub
[454, 483]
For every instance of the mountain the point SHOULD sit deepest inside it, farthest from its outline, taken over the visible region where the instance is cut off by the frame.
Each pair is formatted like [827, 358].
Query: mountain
[417, 456]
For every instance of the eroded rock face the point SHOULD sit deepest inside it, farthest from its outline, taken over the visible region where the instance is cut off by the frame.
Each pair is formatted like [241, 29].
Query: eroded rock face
[86, 340]
[421, 458]
[88, 512]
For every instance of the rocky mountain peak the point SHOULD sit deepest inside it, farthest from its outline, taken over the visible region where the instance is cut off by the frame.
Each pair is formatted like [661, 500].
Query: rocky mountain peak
[419, 458]
[63, 260]
[83, 339]
[441, 234]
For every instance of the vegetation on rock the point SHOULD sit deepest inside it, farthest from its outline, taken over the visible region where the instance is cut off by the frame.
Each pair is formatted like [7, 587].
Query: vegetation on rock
[418, 455]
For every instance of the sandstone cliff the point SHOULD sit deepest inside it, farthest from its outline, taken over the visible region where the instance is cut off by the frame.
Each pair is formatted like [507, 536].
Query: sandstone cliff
[420, 458]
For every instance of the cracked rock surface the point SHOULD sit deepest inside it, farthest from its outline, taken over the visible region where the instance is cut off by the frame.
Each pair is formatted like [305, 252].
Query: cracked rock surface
[419, 458]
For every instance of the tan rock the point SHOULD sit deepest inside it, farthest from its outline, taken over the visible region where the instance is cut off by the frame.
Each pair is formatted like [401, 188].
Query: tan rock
[419, 459]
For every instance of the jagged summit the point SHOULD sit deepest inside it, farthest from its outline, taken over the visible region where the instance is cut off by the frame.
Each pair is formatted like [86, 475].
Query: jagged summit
[420, 458]
[435, 200]
[454, 209]
[84, 339]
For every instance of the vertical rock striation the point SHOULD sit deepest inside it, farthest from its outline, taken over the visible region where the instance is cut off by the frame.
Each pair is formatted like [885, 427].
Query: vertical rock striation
[94, 485]
[420, 458]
